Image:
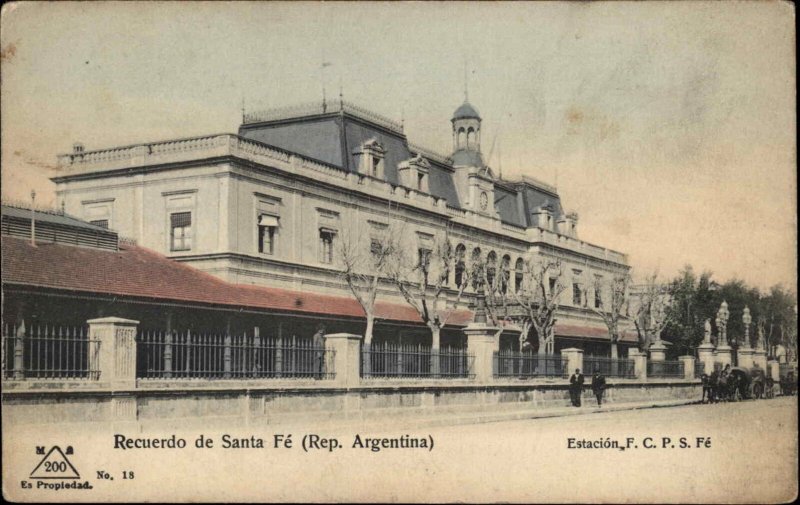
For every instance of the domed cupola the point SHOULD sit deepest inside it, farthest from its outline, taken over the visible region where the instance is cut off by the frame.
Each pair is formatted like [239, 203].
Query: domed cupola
[466, 136]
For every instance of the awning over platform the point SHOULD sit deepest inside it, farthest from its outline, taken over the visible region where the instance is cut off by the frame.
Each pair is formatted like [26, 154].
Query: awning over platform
[138, 272]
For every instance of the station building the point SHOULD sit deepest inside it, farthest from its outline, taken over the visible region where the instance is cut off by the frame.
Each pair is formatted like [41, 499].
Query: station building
[264, 208]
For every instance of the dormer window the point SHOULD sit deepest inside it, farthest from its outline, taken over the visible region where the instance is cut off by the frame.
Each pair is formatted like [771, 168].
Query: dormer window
[369, 159]
[376, 163]
[414, 174]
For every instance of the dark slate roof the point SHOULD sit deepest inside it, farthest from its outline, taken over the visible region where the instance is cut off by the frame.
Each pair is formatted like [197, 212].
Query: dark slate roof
[320, 138]
[52, 218]
[466, 111]
[534, 197]
[508, 204]
[138, 272]
[333, 137]
[463, 157]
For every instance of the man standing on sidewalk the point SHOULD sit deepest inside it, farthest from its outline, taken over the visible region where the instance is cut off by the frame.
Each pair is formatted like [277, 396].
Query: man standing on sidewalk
[598, 386]
[575, 387]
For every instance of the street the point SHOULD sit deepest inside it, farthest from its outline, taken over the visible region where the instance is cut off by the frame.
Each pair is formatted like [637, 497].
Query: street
[742, 452]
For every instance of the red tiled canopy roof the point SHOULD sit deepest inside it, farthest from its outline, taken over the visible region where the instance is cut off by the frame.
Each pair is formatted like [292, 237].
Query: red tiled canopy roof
[138, 272]
[568, 330]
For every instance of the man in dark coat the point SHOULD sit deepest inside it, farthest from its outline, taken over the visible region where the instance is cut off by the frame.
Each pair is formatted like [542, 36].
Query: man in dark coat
[598, 386]
[575, 387]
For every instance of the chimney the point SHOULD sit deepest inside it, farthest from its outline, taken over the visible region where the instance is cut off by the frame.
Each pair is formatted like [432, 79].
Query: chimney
[77, 148]
[33, 218]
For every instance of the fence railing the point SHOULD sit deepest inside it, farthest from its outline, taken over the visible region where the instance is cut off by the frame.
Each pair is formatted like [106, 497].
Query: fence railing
[610, 367]
[699, 369]
[193, 355]
[665, 369]
[415, 361]
[508, 363]
[49, 351]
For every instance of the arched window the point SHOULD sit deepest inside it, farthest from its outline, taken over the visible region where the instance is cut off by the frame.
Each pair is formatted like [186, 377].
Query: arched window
[470, 138]
[461, 252]
[462, 138]
[506, 273]
[477, 269]
[519, 269]
[491, 270]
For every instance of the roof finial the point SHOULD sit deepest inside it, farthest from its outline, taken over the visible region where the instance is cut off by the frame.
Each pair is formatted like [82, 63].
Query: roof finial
[466, 85]
[341, 92]
[322, 78]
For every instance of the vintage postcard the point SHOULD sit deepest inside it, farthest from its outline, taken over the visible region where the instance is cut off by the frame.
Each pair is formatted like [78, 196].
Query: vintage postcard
[500, 252]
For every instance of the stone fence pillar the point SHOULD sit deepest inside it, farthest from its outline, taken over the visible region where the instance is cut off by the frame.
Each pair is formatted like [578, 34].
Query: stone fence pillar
[705, 353]
[775, 371]
[114, 354]
[724, 353]
[346, 358]
[482, 344]
[760, 357]
[688, 367]
[745, 355]
[639, 363]
[573, 358]
[658, 351]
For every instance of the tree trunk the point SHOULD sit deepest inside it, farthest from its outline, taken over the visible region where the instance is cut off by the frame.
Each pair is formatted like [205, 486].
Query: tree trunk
[370, 326]
[614, 353]
[435, 361]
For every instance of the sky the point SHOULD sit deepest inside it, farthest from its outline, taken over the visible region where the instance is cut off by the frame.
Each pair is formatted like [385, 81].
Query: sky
[668, 127]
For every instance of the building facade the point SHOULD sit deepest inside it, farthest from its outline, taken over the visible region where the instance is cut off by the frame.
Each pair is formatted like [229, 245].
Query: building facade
[267, 206]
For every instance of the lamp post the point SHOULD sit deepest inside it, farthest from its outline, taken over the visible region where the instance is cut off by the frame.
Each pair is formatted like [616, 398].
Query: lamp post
[746, 319]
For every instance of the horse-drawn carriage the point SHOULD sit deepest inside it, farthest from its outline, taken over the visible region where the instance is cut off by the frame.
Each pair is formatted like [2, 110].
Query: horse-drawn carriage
[739, 383]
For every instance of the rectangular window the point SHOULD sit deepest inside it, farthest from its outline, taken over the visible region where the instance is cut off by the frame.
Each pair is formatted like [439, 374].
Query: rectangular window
[424, 257]
[552, 285]
[326, 246]
[420, 180]
[102, 223]
[598, 301]
[180, 231]
[376, 162]
[577, 294]
[375, 247]
[266, 233]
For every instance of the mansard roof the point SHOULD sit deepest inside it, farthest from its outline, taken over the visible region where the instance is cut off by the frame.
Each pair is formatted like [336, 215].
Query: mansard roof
[332, 133]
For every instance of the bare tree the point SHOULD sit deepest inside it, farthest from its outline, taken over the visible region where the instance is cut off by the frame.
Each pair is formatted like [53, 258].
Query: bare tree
[612, 304]
[364, 258]
[495, 284]
[653, 303]
[538, 296]
[423, 278]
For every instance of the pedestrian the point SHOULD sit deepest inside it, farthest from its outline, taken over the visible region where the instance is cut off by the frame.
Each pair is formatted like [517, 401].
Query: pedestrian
[713, 382]
[575, 387]
[706, 381]
[598, 386]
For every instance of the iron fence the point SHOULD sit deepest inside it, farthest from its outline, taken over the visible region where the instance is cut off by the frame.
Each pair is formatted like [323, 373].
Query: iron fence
[610, 367]
[508, 363]
[194, 355]
[665, 369]
[388, 360]
[49, 351]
